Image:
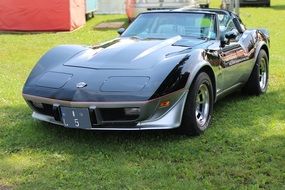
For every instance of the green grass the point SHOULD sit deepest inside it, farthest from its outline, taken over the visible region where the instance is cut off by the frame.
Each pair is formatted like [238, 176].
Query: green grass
[243, 149]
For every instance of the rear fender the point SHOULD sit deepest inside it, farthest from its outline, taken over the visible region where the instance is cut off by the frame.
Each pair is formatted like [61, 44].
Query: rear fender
[261, 45]
[263, 42]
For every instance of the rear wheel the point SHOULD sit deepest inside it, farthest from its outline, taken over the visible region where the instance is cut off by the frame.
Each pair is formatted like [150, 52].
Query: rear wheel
[258, 80]
[199, 106]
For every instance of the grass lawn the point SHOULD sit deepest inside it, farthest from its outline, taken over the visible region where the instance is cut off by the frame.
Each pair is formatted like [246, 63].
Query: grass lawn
[243, 149]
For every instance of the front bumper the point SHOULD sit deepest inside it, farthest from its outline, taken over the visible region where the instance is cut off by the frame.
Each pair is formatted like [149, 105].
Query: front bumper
[152, 115]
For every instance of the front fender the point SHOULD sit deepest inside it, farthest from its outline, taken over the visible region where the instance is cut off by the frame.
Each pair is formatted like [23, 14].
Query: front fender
[55, 56]
[184, 73]
[196, 63]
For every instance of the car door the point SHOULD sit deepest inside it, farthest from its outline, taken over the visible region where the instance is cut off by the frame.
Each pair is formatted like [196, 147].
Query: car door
[235, 59]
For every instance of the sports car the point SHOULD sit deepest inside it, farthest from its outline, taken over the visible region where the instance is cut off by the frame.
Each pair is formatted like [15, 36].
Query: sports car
[165, 71]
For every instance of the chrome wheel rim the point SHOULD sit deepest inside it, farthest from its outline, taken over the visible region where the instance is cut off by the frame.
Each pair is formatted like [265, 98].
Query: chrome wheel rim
[262, 74]
[202, 105]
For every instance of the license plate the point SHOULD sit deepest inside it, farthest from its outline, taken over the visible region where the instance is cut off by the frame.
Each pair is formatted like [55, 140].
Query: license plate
[76, 117]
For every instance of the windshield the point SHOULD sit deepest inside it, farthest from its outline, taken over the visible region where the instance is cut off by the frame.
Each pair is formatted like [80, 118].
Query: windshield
[166, 25]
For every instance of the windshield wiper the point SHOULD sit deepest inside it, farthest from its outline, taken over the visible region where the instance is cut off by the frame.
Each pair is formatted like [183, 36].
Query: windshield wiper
[204, 38]
[197, 37]
[146, 38]
[154, 38]
[136, 37]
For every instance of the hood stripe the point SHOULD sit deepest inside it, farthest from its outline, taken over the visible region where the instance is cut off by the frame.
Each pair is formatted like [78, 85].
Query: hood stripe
[158, 46]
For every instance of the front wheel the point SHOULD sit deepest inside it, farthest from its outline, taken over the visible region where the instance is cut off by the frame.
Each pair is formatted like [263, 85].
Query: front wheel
[198, 107]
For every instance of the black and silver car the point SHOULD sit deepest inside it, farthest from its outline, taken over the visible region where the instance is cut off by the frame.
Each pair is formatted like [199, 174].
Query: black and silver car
[165, 71]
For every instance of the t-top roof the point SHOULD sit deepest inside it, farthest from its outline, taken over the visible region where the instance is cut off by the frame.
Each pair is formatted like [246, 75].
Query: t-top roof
[192, 10]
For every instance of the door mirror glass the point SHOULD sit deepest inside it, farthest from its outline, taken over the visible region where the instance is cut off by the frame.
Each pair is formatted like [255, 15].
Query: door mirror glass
[227, 37]
[231, 35]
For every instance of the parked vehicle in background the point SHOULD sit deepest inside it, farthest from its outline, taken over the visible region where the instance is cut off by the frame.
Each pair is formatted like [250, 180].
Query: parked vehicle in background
[134, 7]
[255, 2]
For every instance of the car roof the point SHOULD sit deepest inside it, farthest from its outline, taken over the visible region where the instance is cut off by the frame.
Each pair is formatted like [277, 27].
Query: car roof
[206, 10]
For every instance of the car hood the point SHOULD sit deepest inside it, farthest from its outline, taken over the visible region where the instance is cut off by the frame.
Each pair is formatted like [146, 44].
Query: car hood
[130, 53]
[124, 69]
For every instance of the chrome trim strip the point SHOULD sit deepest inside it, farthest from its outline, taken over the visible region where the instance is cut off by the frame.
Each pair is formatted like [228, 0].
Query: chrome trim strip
[46, 118]
[227, 91]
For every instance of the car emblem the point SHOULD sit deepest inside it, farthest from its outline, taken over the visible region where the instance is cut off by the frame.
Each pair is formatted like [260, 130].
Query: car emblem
[81, 85]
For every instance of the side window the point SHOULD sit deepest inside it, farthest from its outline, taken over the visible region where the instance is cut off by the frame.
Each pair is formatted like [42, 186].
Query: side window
[230, 26]
[226, 23]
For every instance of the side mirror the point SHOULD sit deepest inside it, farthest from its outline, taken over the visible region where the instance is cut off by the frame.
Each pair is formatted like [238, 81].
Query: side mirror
[121, 31]
[231, 35]
[228, 37]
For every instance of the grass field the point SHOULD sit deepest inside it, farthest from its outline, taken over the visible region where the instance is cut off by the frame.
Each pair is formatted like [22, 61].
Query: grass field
[243, 149]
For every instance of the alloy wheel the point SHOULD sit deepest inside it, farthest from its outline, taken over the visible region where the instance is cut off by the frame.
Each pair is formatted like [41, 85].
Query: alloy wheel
[202, 105]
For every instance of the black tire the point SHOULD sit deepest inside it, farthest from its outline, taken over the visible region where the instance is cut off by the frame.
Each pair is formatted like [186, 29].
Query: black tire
[190, 124]
[254, 86]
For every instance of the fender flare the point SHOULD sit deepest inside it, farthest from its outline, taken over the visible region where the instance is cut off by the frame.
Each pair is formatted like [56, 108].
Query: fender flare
[197, 63]
[262, 45]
